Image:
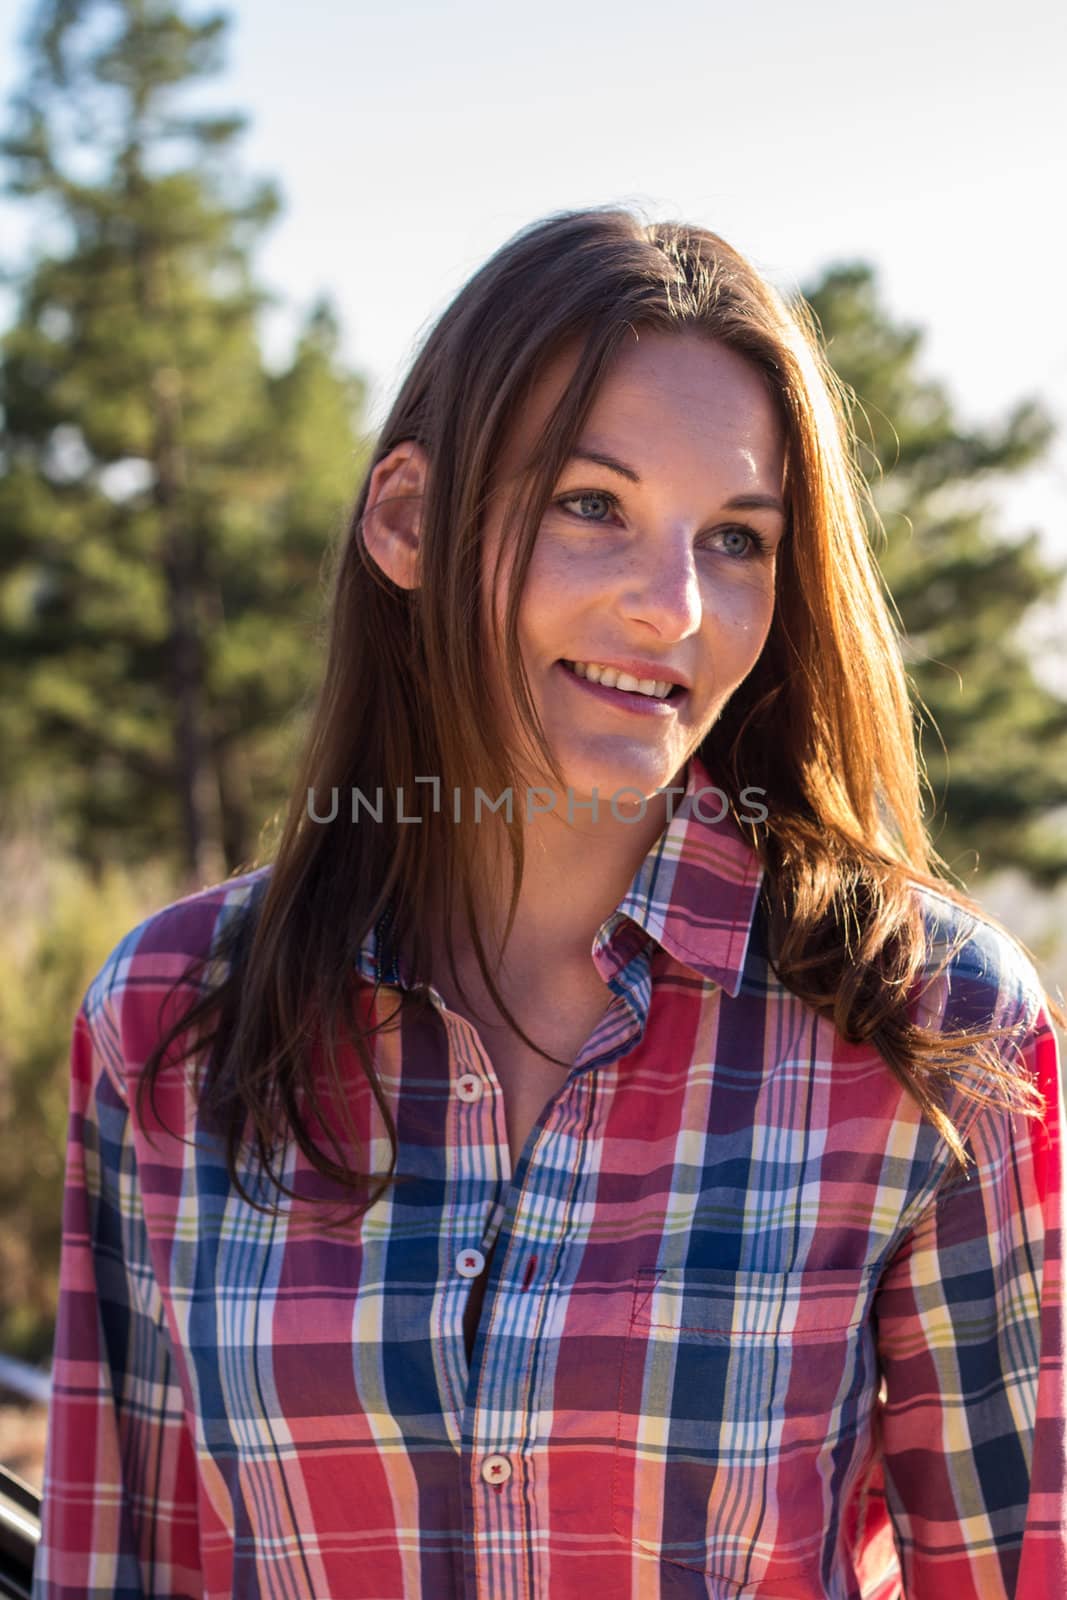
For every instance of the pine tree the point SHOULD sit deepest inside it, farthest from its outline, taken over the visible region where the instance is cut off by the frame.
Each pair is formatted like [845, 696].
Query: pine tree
[996, 755]
[165, 500]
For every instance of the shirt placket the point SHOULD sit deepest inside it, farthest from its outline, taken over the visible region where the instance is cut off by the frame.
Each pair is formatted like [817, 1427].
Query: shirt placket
[500, 1395]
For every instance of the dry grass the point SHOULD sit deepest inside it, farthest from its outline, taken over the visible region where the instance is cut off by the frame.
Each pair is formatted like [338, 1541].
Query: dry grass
[22, 1436]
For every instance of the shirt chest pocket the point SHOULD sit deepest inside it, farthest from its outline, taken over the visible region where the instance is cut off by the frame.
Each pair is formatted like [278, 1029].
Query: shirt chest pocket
[742, 1399]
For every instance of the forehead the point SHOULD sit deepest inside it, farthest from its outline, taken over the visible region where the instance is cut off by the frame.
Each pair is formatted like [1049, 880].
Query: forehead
[680, 388]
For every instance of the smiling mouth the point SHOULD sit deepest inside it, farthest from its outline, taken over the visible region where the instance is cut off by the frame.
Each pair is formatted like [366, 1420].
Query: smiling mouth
[675, 692]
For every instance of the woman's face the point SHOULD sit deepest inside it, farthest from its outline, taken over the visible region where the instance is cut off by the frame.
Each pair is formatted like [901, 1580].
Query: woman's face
[663, 563]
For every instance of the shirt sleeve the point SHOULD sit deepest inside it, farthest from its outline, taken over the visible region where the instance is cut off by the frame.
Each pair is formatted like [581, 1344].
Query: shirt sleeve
[970, 1327]
[119, 1515]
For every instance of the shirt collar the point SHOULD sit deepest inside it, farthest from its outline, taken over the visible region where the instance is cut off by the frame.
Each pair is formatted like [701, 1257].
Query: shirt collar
[697, 890]
[695, 894]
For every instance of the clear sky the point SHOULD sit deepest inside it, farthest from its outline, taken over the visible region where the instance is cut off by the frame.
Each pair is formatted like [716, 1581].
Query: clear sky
[411, 138]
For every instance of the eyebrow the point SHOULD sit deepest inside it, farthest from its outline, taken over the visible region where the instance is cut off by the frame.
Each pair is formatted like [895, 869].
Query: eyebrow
[739, 502]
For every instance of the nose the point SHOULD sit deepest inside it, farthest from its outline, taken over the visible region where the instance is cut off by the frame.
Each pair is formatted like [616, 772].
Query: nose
[662, 589]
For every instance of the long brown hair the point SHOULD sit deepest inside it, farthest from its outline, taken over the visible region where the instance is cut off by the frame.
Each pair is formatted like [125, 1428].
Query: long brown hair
[823, 724]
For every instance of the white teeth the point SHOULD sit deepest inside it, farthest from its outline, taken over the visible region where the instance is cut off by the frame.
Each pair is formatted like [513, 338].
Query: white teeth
[658, 688]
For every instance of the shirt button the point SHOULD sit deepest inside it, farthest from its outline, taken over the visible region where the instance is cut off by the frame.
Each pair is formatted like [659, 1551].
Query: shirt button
[469, 1263]
[469, 1087]
[496, 1469]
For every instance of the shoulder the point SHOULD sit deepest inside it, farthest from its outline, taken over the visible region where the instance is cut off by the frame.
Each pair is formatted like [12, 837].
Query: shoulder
[975, 974]
[167, 955]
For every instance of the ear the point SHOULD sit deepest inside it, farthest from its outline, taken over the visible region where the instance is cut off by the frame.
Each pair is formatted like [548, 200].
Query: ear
[392, 519]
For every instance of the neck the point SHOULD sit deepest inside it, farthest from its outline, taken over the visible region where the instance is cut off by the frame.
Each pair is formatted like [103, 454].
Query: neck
[575, 872]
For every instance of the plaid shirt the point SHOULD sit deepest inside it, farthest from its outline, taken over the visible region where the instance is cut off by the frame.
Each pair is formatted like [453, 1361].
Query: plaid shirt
[747, 1331]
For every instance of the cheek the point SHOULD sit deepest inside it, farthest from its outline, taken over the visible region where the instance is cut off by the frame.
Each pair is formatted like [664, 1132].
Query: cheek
[554, 588]
[556, 569]
[741, 612]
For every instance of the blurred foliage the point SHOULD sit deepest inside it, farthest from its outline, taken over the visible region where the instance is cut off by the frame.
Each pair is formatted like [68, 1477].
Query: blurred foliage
[166, 501]
[166, 504]
[60, 923]
[996, 752]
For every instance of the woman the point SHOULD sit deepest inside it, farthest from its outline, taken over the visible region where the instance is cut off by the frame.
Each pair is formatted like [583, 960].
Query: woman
[654, 1192]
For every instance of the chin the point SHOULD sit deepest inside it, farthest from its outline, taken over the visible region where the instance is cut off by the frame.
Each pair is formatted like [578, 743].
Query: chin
[627, 779]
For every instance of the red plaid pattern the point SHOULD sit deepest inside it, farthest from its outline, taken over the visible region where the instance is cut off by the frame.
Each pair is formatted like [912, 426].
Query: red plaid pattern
[746, 1331]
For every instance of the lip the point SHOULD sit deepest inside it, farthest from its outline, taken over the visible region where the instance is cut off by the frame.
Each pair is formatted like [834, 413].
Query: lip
[643, 669]
[638, 705]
